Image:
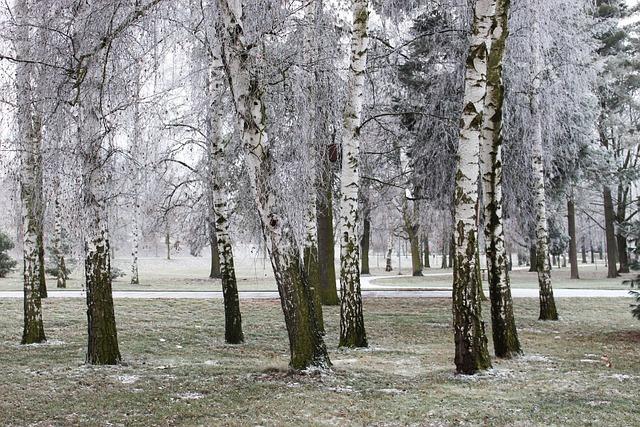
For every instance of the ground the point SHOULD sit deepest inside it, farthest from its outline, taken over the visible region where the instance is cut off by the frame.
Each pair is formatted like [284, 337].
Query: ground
[581, 370]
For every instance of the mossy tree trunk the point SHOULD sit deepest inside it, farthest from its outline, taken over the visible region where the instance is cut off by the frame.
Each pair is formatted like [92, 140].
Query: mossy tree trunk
[298, 301]
[505, 336]
[102, 343]
[471, 353]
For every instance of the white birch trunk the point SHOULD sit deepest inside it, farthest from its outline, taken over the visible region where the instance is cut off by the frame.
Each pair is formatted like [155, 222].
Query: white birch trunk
[305, 339]
[61, 279]
[30, 137]
[310, 249]
[471, 352]
[352, 331]
[215, 93]
[505, 337]
[389, 265]
[547, 303]
[135, 154]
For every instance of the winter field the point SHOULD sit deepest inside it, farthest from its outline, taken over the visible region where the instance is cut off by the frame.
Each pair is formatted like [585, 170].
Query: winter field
[177, 369]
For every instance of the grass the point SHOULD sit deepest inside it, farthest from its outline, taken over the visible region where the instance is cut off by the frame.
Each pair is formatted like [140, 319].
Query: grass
[178, 371]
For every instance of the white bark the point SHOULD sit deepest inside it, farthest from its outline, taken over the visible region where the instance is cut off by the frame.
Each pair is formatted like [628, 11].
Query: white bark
[30, 137]
[547, 303]
[471, 352]
[352, 331]
[305, 339]
[135, 154]
[505, 337]
[388, 265]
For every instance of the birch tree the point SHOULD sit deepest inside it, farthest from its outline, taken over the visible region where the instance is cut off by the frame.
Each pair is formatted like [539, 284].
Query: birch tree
[93, 47]
[547, 302]
[215, 94]
[471, 354]
[352, 331]
[306, 344]
[30, 137]
[505, 336]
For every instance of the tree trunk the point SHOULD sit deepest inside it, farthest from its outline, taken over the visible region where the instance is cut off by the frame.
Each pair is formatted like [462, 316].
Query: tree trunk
[583, 249]
[610, 234]
[298, 301]
[471, 354]
[573, 244]
[135, 152]
[425, 251]
[505, 335]
[222, 257]
[30, 139]
[216, 272]
[326, 256]
[61, 270]
[167, 241]
[40, 243]
[364, 245]
[102, 348]
[533, 257]
[621, 240]
[352, 331]
[445, 250]
[547, 303]
[388, 265]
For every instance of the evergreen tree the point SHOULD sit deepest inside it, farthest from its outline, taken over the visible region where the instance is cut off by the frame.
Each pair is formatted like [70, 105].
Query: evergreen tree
[7, 264]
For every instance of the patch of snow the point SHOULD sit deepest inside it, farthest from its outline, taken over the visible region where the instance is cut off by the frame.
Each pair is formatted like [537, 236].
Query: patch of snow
[48, 343]
[162, 340]
[345, 361]
[128, 379]
[345, 389]
[619, 377]
[212, 363]
[534, 358]
[179, 346]
[189, 395]
[589, 361]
